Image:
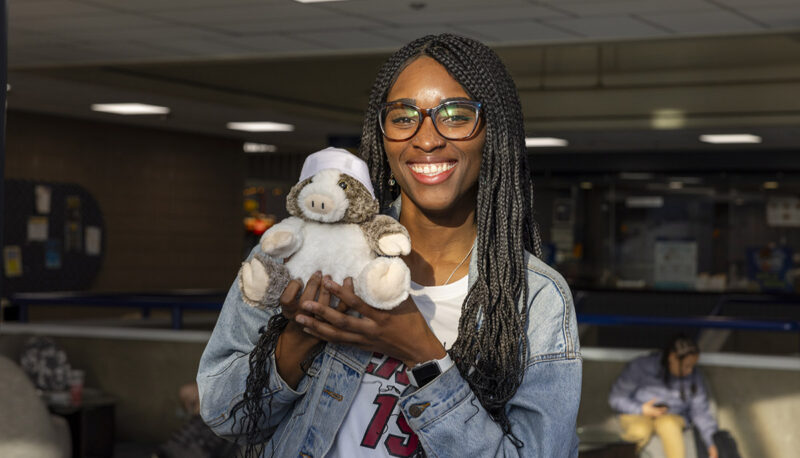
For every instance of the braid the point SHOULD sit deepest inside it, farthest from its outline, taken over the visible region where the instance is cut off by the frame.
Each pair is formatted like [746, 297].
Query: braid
[491, 349]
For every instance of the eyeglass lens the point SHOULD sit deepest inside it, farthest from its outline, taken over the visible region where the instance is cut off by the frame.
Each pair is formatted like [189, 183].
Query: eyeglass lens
[452, 120]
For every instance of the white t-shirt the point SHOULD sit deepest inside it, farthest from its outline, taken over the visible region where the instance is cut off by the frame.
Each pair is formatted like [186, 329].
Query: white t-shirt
[374, 425]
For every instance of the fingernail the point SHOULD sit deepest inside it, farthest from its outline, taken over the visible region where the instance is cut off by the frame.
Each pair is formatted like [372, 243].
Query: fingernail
[301, 319]
[328, 284]
[308, 305]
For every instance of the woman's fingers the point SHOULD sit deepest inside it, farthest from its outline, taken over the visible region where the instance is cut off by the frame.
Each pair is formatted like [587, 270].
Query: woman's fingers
[336, 318]
[327, 331]
[346, 294]
[324, 295]
[290, 292]
[312, 288]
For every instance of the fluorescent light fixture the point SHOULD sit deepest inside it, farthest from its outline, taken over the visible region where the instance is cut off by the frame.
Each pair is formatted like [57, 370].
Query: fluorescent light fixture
[586, 185]
[260, 126]
[675, 185]
[317, 1]
[770, 185]
[668, 118]
[129, 108]
[730, 138]
[535, 142]
[250, 147]
[644, 202]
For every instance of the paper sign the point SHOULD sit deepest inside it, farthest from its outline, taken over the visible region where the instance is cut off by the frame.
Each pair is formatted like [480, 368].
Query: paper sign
[12, 256]
[37, 228]
[43, 194]
[93, 237]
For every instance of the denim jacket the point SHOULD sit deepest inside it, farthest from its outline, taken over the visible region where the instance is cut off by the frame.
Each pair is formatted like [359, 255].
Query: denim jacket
[445, 414]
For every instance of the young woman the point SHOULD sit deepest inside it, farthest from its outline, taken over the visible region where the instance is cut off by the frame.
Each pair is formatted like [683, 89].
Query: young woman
[661, 394]
[483, 359]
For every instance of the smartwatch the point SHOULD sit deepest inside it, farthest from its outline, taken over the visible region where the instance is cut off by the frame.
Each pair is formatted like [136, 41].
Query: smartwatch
[423, 373]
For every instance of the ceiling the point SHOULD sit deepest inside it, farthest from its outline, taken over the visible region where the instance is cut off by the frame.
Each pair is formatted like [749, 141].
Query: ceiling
[601, 72]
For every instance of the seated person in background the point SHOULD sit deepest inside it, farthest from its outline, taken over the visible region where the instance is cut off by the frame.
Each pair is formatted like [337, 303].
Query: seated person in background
[662, 393]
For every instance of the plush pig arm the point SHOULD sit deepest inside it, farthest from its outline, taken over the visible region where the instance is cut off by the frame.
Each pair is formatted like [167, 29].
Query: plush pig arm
[386, 236]
[283, 239]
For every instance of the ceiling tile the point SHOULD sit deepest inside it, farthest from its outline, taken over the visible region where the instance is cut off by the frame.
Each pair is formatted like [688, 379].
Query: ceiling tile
[165, 5]
[776, 17]
[349, 39]
[626, 7]
[251, 45]
[248, 13]
[758, 3]
[405, 35]
[608, 27]
[110, 21]
[517, 31]
[703, 23]
[300, 26]
[19, 9]
[399, 13]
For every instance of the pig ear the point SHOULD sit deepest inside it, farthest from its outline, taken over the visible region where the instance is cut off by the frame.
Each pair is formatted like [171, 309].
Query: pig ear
[291, 199]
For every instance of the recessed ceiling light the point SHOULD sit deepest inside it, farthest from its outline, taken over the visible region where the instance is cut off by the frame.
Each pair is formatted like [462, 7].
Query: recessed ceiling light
[129, 108]
[586, 185]
[317, 1]
[250, 147]
[675, 184]
[534, 142]
[668, 118]
[730, 138]
[770, 185]
[260, 126]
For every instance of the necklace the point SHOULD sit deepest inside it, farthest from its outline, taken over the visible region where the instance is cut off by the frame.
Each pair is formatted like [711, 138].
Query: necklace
[459, 265]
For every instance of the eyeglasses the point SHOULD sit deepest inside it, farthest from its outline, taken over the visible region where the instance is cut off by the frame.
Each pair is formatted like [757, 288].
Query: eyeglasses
[453, 120]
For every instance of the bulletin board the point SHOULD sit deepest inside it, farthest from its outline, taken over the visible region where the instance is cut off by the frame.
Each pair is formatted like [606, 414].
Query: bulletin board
[53, 237]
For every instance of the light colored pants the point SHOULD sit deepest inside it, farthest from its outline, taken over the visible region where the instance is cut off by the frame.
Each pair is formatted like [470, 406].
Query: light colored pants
[668, 427]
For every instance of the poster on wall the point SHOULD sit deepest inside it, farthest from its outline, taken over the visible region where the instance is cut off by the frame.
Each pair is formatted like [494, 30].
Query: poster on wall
[783, 212]
[675, 264]
[37, 228]
[768, 267]
[12, 261]
[42, 194]
[93, 245]
[73, 235]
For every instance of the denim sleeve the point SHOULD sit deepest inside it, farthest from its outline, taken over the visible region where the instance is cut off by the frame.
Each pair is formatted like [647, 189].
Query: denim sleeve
[621, 397]
[224, 367]
[451, 422]
[700, 412]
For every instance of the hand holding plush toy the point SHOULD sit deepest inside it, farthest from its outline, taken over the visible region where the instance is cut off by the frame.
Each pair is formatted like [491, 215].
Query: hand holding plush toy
[335, 228]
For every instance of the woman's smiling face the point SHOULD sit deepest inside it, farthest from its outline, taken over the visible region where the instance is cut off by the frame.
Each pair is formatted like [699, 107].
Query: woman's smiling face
[435, 173]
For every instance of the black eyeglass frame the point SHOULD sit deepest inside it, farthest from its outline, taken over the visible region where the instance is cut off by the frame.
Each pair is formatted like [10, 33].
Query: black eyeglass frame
[428, 113]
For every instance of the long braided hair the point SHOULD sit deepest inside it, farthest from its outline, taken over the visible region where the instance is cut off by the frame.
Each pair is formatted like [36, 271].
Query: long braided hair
[491, 349]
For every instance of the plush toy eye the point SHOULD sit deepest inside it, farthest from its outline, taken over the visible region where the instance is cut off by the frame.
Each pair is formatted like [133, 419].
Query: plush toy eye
[342, 184]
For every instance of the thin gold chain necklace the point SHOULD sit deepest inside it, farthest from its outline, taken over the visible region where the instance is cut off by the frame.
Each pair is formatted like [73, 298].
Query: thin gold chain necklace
[459, 265]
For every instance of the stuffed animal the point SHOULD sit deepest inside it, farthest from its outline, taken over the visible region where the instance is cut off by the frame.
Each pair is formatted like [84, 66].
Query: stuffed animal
[335, 228]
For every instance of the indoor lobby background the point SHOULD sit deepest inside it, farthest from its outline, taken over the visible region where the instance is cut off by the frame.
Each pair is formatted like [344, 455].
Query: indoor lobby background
[664, 138]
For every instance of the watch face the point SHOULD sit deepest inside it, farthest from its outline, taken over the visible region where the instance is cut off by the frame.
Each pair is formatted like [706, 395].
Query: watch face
[426, 372]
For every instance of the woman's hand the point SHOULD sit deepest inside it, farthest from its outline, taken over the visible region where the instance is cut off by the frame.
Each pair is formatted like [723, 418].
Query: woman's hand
[293, 338]
[712, 452]
[401, 333]
[650, 410]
